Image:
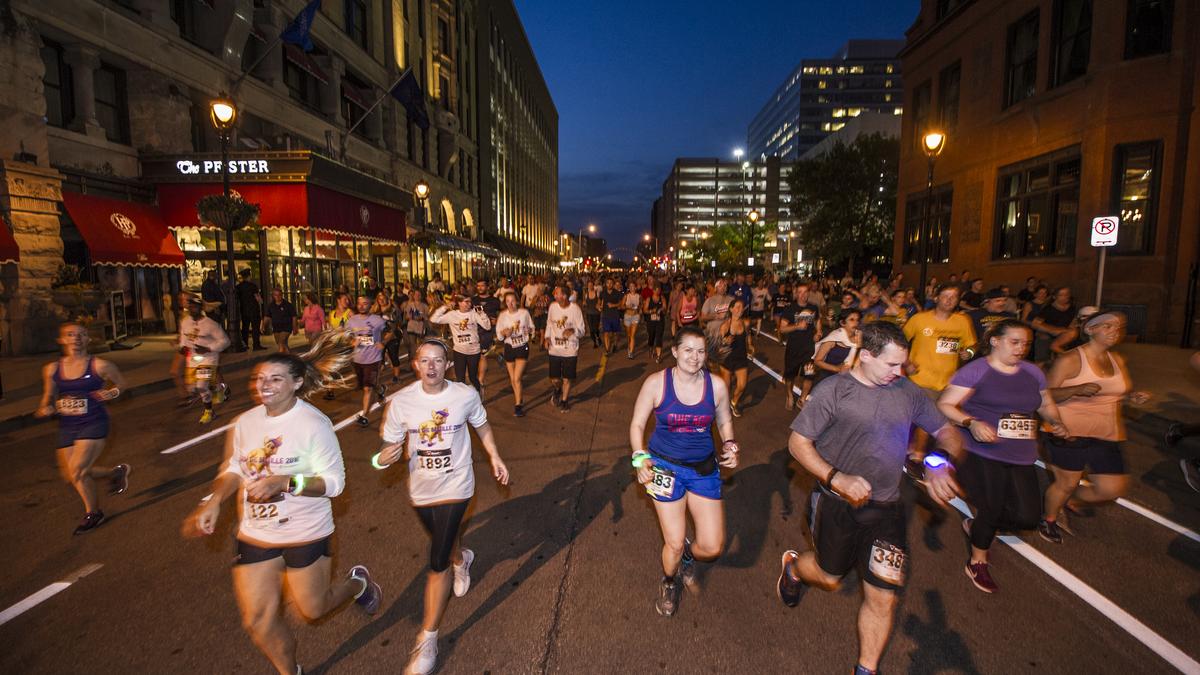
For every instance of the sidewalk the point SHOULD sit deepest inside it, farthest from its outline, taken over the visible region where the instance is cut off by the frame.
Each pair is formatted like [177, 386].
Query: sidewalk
[1174, 386]
[146, 369]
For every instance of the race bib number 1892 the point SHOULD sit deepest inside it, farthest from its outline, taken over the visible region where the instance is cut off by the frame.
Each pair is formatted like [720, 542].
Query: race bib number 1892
[435, 461]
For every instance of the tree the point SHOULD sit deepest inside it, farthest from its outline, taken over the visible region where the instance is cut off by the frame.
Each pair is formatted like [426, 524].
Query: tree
[846, 200]
[728, 244]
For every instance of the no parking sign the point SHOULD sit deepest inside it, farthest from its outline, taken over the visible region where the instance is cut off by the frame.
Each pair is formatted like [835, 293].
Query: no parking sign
[1104, 230]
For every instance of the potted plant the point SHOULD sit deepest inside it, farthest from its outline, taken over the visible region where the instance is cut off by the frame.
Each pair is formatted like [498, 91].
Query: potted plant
[74, 294]
[227, 213]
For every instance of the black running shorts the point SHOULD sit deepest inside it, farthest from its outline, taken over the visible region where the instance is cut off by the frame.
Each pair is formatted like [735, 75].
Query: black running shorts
[871, 539]
[563, 367]
[295, 557]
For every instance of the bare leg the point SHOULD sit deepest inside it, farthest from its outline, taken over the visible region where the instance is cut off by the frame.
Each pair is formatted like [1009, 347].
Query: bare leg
[672, 519]
[875, 624]
[740, 376]
[708, 515]
[1058, 492]
[313, 592]
[75, 463]
[258, 587]
[1105, 487]
[516, 370]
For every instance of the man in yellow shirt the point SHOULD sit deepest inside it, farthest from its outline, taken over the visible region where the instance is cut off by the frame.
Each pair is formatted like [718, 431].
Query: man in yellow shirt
[941, 339]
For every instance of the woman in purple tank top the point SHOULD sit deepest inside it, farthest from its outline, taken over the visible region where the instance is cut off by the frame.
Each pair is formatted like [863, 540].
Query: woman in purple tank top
[680, 468]
[74, 388]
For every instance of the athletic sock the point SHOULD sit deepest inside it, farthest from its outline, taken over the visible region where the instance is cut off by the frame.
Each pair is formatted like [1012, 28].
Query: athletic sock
[429, 635]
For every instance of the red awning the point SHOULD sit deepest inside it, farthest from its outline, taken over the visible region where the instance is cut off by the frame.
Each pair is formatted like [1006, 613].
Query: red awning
[293, 205]
[307, 63]
[9, 253]
[123, 233]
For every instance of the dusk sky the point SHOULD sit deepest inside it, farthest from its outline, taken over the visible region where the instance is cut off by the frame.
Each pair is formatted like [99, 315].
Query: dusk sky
[638, 84]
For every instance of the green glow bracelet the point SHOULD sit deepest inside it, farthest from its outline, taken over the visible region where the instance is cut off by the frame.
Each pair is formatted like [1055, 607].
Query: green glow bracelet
[375, 461]
[638, 458]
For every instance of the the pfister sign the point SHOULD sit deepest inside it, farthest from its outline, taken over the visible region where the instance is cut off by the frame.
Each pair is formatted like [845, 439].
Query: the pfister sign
[208, 167]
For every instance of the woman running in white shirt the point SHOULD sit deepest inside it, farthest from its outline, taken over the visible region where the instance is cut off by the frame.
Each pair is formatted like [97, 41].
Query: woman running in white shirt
[514, 327]
[465, 325]
[286, 465]
[429, 418]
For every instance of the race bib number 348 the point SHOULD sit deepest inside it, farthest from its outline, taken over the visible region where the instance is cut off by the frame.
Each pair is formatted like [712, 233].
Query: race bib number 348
[887, 562]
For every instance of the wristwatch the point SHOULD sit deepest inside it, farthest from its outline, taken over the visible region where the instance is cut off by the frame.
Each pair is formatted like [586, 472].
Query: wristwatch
[966, 423]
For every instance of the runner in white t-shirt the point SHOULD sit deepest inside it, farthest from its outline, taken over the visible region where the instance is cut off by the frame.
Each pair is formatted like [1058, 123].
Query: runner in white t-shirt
[514, 327]
[563, 328]
[285, 466]
[201, 341]
[465, 324]
[429, 419]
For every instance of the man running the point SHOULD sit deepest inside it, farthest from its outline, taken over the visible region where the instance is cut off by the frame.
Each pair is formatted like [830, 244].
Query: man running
[942, 338]
[852, 436]
[486, 300]
[429, 418]
[201, 341]
[800, 328]
[74, 388]
[368, 354]
[562, 343]
[712, 314]
[991, 312]
[610, 313]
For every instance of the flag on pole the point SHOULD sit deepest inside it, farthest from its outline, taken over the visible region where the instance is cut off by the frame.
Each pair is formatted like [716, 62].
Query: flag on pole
[297, 32]
[408, 92]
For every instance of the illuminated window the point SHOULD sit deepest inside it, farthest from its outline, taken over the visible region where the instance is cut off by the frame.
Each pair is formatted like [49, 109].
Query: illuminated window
[854, 112]
[841, 70]
[891, 69]
[887, 84]
[809, 70]
[825, 70]
[856, 70]
[821, 84]
[1037, 207]
[1135, 195]
[839, 112]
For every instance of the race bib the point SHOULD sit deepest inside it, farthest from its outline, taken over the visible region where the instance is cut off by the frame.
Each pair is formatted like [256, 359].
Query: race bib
[804, 317]
[887, 562]
[265, 515]
[366, 341]
[560, 341]
[663, 483]
[462, 339]
[1017, 426]
[518, 339]
[71, 407]
[204, 372]
[947, 345]
[810, 369]
[654, 316]
[434, 461]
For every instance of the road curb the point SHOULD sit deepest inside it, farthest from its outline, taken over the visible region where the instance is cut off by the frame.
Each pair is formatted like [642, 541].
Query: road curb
[26, 420]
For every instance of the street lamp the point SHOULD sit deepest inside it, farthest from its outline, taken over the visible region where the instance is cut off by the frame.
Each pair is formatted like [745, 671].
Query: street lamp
[421, 192]
[932, 143]
[224, 115]
[753, 218]
[591, 230]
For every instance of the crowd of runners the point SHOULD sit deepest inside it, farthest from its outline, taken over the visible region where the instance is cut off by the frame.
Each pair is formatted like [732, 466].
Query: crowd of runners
[955, 391]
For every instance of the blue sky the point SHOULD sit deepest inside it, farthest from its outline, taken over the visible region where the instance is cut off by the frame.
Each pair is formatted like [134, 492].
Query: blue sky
[638, 84]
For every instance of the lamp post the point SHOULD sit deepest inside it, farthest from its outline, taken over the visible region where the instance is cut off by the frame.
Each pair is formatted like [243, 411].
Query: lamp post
[224, 115]
[591, 230]
[932, 143]
[753, 218]
[421, 192]
[791, 235]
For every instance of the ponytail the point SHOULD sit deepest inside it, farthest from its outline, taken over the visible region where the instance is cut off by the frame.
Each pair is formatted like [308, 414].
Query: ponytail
[323, 366]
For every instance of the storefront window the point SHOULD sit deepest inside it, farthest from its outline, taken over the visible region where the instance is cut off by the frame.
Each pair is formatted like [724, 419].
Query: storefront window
[277, 242]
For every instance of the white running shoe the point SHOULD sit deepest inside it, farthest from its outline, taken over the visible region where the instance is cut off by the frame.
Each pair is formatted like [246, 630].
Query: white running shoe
[424, 656]
[462, 573]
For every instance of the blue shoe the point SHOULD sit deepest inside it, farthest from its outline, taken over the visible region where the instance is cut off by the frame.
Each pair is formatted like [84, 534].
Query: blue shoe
[789, 590]
[371, 595]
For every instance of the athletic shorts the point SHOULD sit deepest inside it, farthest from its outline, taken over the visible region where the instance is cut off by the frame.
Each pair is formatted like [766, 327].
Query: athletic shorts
[92, 429]
[563, 367]
[486, 338]
[610, 324]
[687, 479]
[1094, 455]
[199, 379]
[368, 374]
[295, 557]
[539, 322]
[794, 363]
[631, 320]
[512, 353]
[756, 314]
[872, 539]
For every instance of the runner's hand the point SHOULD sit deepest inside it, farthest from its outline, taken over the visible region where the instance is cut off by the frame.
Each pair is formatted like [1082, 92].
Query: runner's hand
[1139, 397]
[941, 485]
[391, 454]
[854, 489]
[569, 332]
[729, 455]
[266, 488]
[203, 520]
[499, 470]
[1059, 429]
[44, 411]
[106, 394]
[644, 473]
[982, 432]
[1087, 389]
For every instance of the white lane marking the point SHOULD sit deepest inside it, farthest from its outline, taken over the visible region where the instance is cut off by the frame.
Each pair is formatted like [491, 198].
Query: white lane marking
[1140, 631]
[772, 373]
[46, 593]
[1149, 514]
[220, 430]
[766, 334]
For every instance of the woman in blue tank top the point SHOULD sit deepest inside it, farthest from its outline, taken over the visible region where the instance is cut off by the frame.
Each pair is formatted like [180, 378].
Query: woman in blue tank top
[74, 388]
[680, 469]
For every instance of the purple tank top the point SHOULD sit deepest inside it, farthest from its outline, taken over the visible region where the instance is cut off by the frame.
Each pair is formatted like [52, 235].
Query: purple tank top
[683, 432]
[75, 404]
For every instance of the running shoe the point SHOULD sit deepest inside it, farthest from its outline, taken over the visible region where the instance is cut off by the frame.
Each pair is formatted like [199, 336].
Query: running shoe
[1174, 434]
[362, 421]
[967, 526]
[979, 575]
[462, 573]
[120, 479]
[424, 656]
[1049, 531]
[668, 597]
[1191, 472]
[564, 406]
[91, 521]
[518, 410]
[629, 356]
[789, 590]
[207, 417]
[219, 395]
[687, 566]
[734, 409]
[371, 595]
[554, 397]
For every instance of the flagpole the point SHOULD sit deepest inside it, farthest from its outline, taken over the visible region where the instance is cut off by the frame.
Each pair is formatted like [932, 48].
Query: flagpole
[362, 118]
[265, 54]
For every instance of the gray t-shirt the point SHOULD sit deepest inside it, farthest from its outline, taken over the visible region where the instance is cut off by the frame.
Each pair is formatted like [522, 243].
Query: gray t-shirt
[717, 305]
[863, 431]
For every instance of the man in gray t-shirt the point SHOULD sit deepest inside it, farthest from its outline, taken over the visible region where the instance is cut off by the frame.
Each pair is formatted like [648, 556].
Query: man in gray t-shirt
[853, 437]
[712, 314]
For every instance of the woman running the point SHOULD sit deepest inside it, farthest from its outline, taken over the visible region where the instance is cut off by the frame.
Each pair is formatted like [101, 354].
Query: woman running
[429, 418]
[735, 338]
[688, 314]
[995, 400]
[591, 311]
[760, 297]
[514, 327]
[313, 317]
[76, 387]
[632, 304]
[465, 325]
[285, 466]
[680, 469]
[655, 309]
[836, 351]
[1089, 384]
[337, 318]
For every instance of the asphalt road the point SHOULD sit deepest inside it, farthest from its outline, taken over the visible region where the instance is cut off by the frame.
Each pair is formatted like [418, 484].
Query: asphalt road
[566, 569]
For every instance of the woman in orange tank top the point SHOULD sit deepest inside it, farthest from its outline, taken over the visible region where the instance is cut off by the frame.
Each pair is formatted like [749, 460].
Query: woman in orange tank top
[1089, 384]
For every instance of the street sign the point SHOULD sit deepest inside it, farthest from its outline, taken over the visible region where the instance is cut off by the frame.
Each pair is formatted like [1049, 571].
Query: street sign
[1104, 230]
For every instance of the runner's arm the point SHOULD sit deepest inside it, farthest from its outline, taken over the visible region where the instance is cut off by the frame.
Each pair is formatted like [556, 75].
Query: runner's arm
[113, 375]
[439, 315]
[951, 400]
[1049, 413]
[488, 440]
[49, 390]
[642, 409]
[1064, 368]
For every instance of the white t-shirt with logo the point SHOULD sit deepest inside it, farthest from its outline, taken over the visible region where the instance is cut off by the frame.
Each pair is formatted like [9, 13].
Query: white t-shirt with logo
[520, 322]
[202, 332]
[438, 442]
[464, 327]
[300, 441]
[559, 320]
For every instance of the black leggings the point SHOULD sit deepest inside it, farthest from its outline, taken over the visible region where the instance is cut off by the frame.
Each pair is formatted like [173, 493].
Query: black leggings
[1005, 497]
[654, 333]
[392, 347]
[467, 365]
[593, 321]
[442, 522]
